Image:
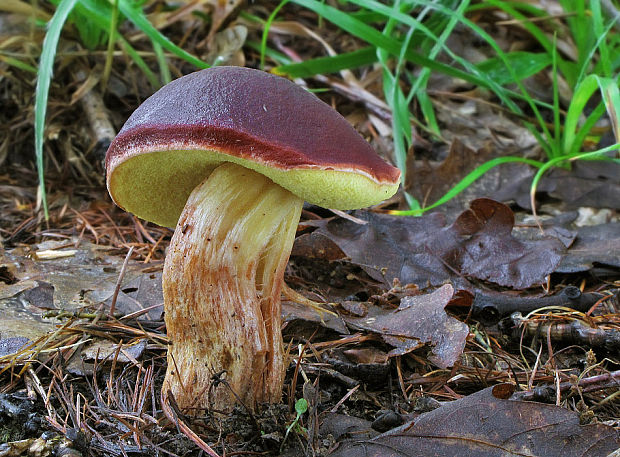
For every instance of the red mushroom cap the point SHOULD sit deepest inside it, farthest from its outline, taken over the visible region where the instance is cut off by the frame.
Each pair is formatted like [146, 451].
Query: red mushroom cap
[256, 119]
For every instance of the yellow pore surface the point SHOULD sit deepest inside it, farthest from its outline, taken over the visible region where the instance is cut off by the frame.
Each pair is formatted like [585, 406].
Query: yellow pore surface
[155, 185]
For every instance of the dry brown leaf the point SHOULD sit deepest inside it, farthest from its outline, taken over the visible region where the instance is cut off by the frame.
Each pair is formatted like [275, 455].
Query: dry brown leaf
[221, 11]
[419, 320]
[425, 250]
[483, 424]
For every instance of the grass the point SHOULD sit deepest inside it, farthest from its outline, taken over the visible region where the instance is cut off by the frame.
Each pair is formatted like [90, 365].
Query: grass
[44, 77]
[415, 32]
[400, 36]
[96, 22]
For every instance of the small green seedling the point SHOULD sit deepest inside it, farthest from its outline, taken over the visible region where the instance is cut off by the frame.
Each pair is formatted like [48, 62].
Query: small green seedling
[301, 407]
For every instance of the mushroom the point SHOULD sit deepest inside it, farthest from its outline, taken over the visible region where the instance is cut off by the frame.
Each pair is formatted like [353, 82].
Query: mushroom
[228, 155]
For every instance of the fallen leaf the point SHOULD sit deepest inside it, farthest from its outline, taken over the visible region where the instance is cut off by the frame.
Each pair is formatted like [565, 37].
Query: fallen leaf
[70, 284]
[87, 277]
[486, 249]
[588, 183]
[390, 247]
[41, 295]
[478, 125]
[419, 320]
[299, 318]
[106, 351]
[11, 290]
[143, 292]
[222, 11]
[100, 351]
[594, 244]
[483, 425]
[426, 251]
[18, 320]
[341, 426]
[226, 47]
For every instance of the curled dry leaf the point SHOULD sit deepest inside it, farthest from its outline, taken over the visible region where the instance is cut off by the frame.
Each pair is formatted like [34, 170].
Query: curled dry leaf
[419, 320]
[484, 247]
[425, 250]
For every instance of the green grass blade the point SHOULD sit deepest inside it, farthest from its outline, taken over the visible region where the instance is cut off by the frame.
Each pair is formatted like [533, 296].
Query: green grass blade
[513, 9]
[489, 83]
[472, 74]
[44, 77]
[524, 64]
[418, 87]
[399, 105]
[566, 158]
[328, 64]
[585, 128]
[17, 63]
[599, 42]
[582, 94]
[426, 106]
[266, 27]
[274, 55]
[137, 17]
[164, 71]
[91, 37]
[599, 31]
[556, 141]
[580, 28]
[109, 57]
[467, 181]
[379, 40]
[139, 61]
[101, 17]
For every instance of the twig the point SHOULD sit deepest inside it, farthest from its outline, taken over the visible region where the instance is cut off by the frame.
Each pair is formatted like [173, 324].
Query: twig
[490, 308]
[119, 281]
[172, 414]
[573, 332]
[593, 383]
[345, 398]
[36, 382]
[97, 116]
[348, 217]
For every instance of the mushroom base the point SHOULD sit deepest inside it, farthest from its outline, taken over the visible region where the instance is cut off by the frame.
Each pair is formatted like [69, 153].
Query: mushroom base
[222, 281]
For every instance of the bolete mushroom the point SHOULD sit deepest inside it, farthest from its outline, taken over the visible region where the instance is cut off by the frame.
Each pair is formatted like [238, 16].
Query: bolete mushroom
[228, 155]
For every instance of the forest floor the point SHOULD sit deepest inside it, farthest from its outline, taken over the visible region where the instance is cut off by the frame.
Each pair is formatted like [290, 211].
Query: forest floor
[474, 329]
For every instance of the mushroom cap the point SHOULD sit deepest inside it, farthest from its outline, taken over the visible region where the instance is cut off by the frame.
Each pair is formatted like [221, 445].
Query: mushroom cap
[264, 122]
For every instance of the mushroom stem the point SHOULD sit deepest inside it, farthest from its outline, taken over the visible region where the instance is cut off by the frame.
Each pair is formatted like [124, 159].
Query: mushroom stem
[222, 282]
